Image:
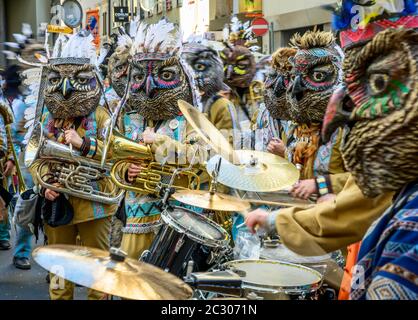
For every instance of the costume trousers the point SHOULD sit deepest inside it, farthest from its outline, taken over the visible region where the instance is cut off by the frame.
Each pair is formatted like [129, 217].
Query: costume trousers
[135, 244]
[95, 234]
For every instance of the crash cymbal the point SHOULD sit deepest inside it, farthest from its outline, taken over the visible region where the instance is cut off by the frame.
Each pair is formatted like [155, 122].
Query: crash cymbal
[206, 130]
[256, 171]
[216, 201]
[96, 269]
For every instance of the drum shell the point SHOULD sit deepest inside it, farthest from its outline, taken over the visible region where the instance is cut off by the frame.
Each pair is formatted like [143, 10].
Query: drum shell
[173, 248]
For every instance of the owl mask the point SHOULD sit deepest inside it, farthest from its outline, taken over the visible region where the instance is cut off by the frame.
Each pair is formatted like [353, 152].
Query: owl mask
[381, 101]
[119, 64]
[72, 87]
[317, 73]
[277, 82]
[158, 76]
[207, 67]
[239, 66]
[237, 57]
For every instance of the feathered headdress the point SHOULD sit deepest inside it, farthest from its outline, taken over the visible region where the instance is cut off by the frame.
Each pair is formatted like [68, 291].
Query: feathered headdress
[158, 41]
[238, 33]
[79, 46]
[361, 20]
[154, 41]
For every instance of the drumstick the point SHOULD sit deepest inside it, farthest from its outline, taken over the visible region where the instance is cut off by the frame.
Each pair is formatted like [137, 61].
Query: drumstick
[245, 215]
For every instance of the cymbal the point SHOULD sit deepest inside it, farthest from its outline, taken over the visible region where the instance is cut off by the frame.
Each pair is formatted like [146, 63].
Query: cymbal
[96, 269]
[217, 201]
[206, 130]
[256, 171]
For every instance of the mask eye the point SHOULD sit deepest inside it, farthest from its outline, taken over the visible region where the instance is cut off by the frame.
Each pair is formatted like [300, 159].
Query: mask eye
[82, 81]
[378, 83]
[120, 68]
[138, 77]
[54, 81]
[319, 76]
[200, 67]
[167, 75]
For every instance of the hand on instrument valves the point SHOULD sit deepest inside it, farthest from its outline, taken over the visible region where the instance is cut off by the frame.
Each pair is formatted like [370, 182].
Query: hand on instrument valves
[72, 137]
[51, 195]
[133, 172]
[8, 168]
[257, 219]
[304, 189]
[149, 135]
[277, 147]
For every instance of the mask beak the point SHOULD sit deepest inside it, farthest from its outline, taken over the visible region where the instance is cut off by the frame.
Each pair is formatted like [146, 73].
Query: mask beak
[338, 113]
[149, 86]
[297, 89]
[279, 86]
[66, 88]
[229, 72]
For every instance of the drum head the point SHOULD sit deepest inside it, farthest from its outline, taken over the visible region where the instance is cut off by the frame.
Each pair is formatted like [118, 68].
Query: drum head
[196, 226]
[277, 275]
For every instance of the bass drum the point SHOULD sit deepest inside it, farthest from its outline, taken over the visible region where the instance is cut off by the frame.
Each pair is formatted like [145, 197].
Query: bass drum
[186, 236]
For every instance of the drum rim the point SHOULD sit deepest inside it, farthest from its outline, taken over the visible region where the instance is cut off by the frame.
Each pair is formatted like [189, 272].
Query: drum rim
[168, 219]
[309, 288]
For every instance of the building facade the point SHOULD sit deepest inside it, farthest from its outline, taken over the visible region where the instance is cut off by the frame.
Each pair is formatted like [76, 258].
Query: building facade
[287, 17]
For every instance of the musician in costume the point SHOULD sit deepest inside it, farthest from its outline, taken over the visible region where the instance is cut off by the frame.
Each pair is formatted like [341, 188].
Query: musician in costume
[240, 69]
[273, 125]
[118, 65]
[317, 74]
[16, 93]
[159, 78]
[118, 69]
[6, 170]
[72, 117]
[208, 69]
[380, 152]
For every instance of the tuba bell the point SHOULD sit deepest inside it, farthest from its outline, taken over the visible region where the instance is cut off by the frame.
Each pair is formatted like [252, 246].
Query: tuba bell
[7, 114]
[76, 175]
[154, 176]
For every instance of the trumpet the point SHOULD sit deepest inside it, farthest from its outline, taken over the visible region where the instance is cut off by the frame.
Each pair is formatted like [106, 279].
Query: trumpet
[7, 114]
[76, 175]
[256, 91]
[154, 176]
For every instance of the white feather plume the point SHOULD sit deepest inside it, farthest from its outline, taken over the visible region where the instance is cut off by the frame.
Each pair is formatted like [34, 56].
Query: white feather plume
[162, 37]
[103, 53]
[59, 45]
[20, 38]
[27, 30]
[80, 45]
[13, 45]
[124, 41]
[10, 55]
[32, 81]
[133, 27]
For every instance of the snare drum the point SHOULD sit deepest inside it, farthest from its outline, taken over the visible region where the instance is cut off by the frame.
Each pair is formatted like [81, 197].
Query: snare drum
[325, 264]
[275, 280]
[185, 236]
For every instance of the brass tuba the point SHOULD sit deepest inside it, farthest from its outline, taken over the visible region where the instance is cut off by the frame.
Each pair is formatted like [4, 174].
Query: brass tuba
[76, 175]
[154, 176]
[8, 118]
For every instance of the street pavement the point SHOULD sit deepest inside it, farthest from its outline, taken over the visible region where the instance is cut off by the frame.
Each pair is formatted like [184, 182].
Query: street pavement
[30, 284]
